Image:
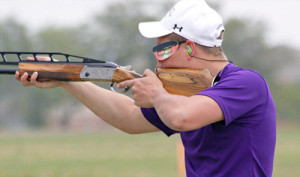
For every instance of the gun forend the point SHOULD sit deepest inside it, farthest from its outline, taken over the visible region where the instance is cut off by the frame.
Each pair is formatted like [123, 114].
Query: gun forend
[102, 72]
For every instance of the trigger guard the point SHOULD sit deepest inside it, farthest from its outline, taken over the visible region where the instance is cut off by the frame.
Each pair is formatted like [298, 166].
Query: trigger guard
[112, 88]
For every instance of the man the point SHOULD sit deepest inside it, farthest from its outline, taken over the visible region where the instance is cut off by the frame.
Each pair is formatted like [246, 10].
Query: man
[227, 130]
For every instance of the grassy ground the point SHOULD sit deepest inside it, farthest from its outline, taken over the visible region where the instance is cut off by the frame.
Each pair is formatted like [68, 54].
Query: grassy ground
[287, 155]
[87, 154]
[114, 154]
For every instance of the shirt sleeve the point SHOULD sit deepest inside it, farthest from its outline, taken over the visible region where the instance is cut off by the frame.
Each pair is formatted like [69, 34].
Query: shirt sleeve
[241, 95]
[151, 115]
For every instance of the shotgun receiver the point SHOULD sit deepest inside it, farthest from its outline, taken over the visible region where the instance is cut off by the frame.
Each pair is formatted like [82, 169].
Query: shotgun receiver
[66, 67]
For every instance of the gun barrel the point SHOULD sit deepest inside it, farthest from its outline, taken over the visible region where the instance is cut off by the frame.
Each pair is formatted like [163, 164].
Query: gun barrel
[8, 70]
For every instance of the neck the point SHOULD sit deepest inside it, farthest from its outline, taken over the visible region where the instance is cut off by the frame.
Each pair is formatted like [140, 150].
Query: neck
[214, 65]
[215, 69]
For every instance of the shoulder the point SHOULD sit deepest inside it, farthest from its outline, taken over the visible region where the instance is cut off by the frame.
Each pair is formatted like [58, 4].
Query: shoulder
[239, 92]
[243, 78]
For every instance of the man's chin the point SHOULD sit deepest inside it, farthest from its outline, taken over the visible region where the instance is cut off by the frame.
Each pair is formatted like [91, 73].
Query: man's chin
[159, 65]
[162, 66]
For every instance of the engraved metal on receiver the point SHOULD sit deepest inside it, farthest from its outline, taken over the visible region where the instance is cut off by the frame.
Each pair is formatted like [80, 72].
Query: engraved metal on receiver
[100, 74]
[97, 74]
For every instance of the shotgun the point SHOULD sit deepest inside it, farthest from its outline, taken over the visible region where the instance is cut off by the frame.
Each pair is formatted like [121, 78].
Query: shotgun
[66, 67]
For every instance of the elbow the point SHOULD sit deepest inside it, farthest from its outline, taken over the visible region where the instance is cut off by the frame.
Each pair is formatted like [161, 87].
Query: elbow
[178, 122]
[181, 122]
[185, 123]
[131, 132]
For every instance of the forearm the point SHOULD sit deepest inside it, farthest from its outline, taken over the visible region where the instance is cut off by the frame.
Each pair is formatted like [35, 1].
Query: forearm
[187, 113]
[114, 108]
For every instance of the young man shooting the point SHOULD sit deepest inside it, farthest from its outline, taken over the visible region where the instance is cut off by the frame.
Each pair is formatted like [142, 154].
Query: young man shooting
[227, 130]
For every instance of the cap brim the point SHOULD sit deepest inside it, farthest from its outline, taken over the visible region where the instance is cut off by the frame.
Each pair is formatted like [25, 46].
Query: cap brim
[153, 29]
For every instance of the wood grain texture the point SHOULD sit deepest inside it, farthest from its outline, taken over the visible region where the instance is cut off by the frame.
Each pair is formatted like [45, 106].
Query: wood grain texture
[52, 71]
[186, 82]
[121, 75]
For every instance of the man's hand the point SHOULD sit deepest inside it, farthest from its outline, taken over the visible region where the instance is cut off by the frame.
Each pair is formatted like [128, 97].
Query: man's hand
[26, 81]
[145, 90]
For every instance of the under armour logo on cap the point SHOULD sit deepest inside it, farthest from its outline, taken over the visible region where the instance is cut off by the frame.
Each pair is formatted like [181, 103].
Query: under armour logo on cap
[176, 27]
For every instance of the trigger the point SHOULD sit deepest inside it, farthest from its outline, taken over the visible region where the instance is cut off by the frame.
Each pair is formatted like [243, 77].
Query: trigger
[112, 88]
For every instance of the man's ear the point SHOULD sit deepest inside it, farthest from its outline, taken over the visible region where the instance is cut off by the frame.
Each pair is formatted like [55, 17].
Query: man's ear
[191, 48]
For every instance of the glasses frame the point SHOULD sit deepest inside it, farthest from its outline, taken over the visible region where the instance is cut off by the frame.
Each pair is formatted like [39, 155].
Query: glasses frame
[167, 49]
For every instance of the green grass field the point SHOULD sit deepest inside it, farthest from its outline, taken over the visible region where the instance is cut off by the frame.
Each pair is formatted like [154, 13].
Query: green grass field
[105, 154]
[287, 154]
[113, 154]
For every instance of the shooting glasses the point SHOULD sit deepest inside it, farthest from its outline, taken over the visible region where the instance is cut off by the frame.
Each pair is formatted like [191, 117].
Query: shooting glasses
[165, 50]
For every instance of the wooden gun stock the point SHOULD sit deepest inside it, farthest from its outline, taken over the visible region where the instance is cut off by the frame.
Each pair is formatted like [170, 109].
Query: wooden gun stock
[186, 82]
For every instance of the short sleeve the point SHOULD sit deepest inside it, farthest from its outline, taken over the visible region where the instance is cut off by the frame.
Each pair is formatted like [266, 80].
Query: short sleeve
[151, 115]
[240, 95]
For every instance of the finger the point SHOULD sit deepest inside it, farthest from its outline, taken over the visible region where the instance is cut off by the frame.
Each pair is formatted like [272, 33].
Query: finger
[33, 78]
[39, 58]
[127, 83]
[24, 80]
[24, 77]
[148, 72]
[17, 76]
[30, 58]
[43, 58]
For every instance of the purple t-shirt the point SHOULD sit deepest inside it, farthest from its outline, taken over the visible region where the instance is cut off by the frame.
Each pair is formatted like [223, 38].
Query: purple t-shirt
[243, 144]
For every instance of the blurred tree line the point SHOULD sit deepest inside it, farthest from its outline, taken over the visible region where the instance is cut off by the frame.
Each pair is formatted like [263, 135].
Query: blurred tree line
[113, 35]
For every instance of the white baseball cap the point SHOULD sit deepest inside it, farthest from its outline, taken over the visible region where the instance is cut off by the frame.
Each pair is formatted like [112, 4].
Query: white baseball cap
[191, 19]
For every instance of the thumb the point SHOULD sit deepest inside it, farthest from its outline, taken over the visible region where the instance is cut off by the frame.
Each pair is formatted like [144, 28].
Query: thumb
[148, 73]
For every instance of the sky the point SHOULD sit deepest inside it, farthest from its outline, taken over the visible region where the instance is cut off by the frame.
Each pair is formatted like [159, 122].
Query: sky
[280, 16]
